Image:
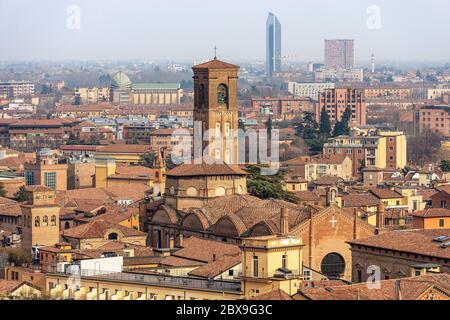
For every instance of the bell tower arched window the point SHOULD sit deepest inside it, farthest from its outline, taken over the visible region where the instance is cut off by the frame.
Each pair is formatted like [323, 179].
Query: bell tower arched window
[222, 95]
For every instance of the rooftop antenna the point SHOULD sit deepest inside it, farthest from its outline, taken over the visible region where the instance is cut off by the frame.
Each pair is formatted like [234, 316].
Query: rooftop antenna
[215, 53]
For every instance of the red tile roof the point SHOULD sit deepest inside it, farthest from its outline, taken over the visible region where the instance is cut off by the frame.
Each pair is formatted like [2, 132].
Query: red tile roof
[432, 212]
[410, 241]
[186, 170]
[277, 294]
[215, 64]
[98, 228]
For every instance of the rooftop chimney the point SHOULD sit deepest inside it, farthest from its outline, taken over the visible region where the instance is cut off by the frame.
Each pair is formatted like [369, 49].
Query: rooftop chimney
[380, 215]
[284, 221]
[398, 291]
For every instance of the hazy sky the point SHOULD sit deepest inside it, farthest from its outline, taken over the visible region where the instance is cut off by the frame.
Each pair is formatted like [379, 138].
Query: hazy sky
[187, 30]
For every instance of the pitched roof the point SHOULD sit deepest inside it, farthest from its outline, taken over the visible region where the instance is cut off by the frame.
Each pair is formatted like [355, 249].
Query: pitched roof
[432, 212]
[125, 148]
[194, 249]
[306, 195]
[328, 180]
[215, 64]
[277, 294]
[359, 200]
[384, 193]
[411, 241]
[216, 267]
[8, 286]
[98, 228]
[411, 289]
[186, 170]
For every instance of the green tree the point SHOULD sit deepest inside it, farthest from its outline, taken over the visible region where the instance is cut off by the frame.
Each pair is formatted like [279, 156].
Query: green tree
[342, 127]
[2, 190]
[445, 165]
[19, 256]
[148, 159]
[325, 125]
[241, 125]
[267, 186]
[21, 194]
[418, 74]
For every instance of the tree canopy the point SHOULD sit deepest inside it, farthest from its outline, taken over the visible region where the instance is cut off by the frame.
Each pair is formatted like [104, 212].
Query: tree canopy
[267, 186]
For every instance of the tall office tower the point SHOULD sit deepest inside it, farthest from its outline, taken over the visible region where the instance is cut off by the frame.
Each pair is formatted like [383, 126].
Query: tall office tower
[373, 62]
[273, 45]
[339, 54]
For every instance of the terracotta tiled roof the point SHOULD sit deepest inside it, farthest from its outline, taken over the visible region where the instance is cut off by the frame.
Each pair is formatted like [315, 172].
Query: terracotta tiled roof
[185, 170]
[328, 180]
[426, 194]
[215, 64]
[359, 200]
[432, 212]
[125, 148]
[215, 268]
[98, 228]
[112, 193]
[277, 294]
[10, 209]
[194, 249]
[7, 286]
[411, 289]
[411, 241]
[172, 261]
[384, 193]
[37, 189]
[306, 196]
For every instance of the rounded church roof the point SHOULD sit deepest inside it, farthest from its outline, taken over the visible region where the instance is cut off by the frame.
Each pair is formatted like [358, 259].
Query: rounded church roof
[120, 80]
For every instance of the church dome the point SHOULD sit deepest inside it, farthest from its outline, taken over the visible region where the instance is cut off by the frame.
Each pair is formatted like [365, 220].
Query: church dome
[120, 80]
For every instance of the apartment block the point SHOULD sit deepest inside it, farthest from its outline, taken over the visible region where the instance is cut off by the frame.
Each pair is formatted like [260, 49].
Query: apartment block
[378, 148]
[435, 118]
[335, 101]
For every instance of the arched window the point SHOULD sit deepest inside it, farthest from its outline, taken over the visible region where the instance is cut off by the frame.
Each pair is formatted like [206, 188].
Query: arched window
[222, 94]
[227, 129]
[37, 222]
[45, 221]
[333, 265]
[217, 154]
[202, 95]
[217, 132]
[220, 191]
[227, 156]
[191, 191]
[53, 220]
[112, 236]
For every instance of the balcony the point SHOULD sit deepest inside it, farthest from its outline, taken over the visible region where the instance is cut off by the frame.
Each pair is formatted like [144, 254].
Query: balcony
[162, 280]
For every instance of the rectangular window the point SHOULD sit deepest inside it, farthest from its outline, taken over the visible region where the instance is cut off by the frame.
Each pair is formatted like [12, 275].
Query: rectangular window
[50, 180]
[284, 262]
[441, 223]
[29, 178]
[255, 266]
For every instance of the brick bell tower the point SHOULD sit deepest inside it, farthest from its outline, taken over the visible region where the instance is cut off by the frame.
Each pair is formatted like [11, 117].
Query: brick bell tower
[215, 106]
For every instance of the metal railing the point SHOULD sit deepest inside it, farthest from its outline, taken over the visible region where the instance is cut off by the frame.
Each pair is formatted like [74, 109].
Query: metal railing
[164, 280]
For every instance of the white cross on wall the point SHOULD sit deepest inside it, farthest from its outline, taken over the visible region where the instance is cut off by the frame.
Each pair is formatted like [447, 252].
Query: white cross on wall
[333, 222]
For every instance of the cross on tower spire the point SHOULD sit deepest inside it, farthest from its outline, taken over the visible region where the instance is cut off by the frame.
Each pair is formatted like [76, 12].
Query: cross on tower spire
[215, 53]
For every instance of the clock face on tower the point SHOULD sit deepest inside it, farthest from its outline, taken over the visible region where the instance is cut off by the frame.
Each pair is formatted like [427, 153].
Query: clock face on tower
[222, 94]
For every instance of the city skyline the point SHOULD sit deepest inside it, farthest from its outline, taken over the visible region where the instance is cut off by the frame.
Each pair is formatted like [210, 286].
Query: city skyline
[122, 30]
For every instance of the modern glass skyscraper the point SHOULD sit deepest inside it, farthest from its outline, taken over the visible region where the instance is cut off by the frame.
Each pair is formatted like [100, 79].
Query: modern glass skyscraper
[273, 45]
